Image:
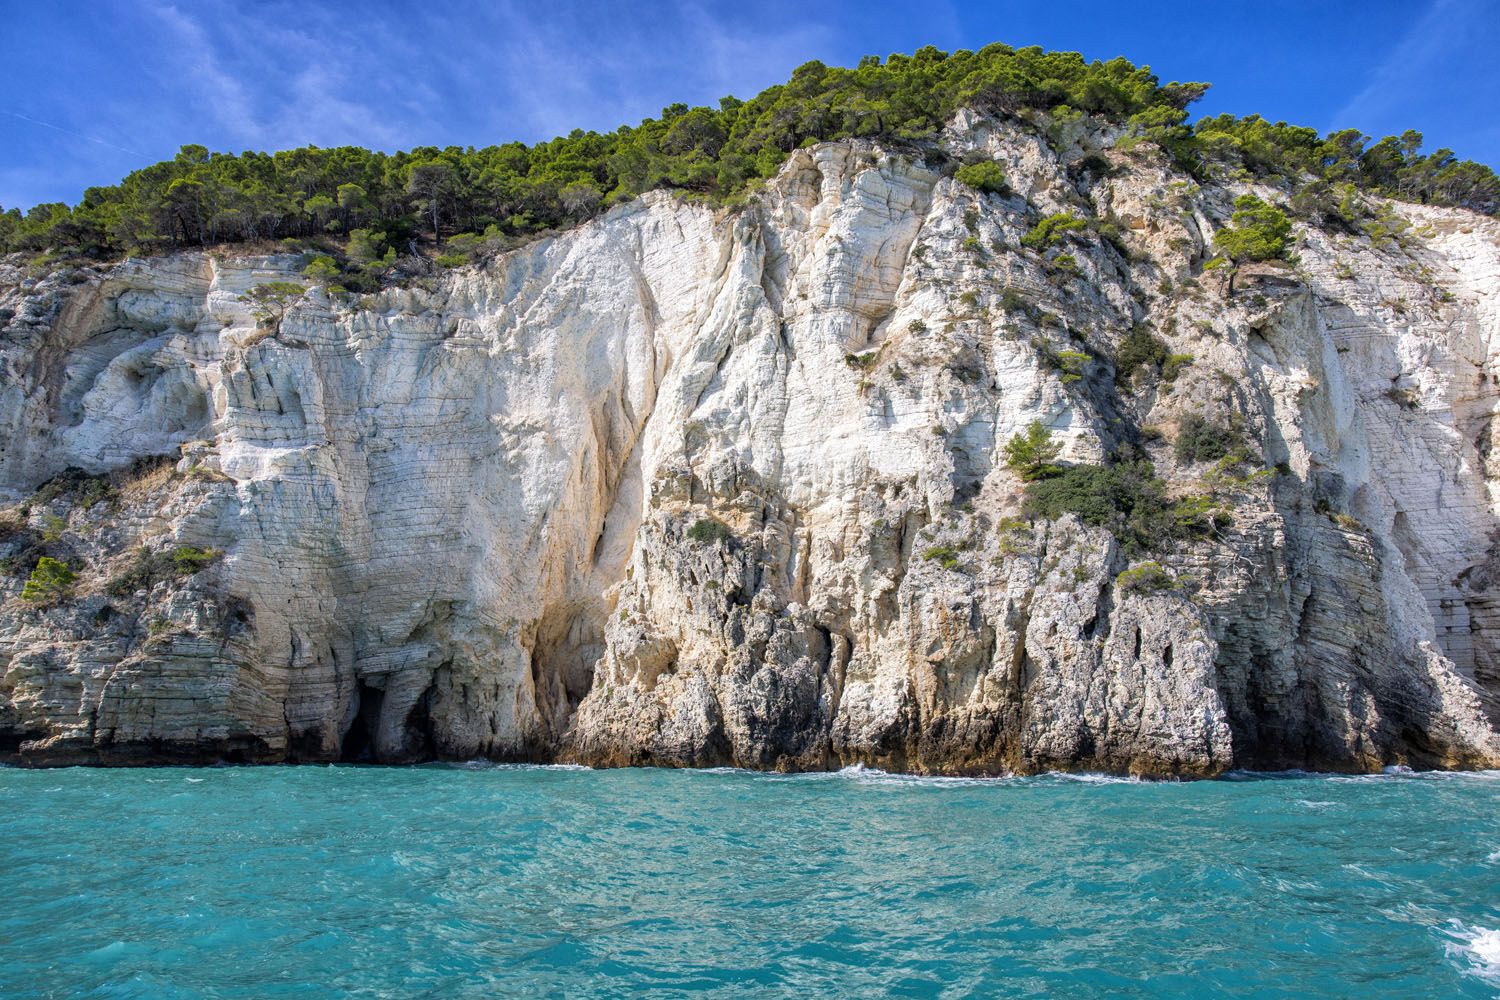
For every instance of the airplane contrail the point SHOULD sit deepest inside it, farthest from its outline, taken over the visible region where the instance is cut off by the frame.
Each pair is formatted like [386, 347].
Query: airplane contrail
[76, 135]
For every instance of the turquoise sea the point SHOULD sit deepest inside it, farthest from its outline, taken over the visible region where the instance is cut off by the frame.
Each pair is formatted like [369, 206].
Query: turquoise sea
[486, 881]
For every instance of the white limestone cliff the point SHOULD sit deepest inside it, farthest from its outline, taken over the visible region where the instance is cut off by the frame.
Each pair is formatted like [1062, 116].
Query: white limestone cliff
[700, 487]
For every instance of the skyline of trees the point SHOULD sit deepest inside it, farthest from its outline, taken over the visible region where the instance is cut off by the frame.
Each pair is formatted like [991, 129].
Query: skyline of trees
[510, 191]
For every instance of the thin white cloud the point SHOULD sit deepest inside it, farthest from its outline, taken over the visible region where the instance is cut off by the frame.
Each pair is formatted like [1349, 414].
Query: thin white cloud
[68, 131]
[221, 96]
[747, 60]
[1444, 26]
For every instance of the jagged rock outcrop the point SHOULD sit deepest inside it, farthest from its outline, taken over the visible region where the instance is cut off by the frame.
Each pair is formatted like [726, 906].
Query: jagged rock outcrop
[699, 487]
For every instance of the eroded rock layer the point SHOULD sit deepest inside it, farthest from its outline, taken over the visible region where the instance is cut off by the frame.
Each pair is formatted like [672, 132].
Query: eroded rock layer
[696, 487]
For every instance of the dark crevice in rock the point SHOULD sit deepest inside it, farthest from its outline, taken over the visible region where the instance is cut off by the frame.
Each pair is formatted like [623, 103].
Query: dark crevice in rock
[358, 745]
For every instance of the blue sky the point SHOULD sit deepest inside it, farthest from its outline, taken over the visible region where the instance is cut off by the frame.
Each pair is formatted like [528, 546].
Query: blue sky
[92, 90]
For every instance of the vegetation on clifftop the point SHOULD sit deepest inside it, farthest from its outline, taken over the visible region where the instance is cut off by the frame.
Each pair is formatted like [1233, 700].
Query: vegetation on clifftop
[466, 198]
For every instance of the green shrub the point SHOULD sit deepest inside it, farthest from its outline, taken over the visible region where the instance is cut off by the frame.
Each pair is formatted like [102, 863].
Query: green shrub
[1202, 440]
[945, 556]
[153, 566]
[85, 490]
[1014, 536]
[272, 300]
[1031, 453]
[1261, 231]
[26, 547]
[1140, 349]
[188, 559]
[1145, 578]
[1386, 228]
[53, 528]
[50, 582]
[1199, 514]
[322, 268]
[1050, 230]
[1063, 266]
[1126, 498]
[1071, 363]
[709, 531]
[1174, 365]
[1112, 232]
[985, 176]
[1012, 301]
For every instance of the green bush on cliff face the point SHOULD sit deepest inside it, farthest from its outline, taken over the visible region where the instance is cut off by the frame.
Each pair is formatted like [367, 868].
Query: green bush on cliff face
[85, 490]
[986, 176]
[1032, 453]
[1141, 349]
[272, 300]
[1050, 230]
[1200, 439]
[1260, 231]
[50, 582]
[709, 531]
[150, 567]
[945, 556]
[1126, 498]
[1145, 578]
[1394, 166]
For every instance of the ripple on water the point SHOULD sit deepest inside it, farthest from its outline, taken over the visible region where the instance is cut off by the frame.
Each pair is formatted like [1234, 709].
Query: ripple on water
[475, 880]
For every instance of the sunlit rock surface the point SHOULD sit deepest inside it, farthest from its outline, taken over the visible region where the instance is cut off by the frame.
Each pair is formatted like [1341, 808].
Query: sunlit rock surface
[696, 487]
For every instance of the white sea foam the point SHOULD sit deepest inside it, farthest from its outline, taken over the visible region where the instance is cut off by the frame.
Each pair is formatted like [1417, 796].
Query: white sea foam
[1407, 774]
[1477, 949]
[1093, 778]
[875, 776]
[490, 765]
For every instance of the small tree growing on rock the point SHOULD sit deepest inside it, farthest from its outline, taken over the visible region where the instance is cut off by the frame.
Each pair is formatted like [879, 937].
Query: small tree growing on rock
[272, 300]
[1260, 232]
[986, 176]
[1031, 454]
[50, 582]
[709, 531]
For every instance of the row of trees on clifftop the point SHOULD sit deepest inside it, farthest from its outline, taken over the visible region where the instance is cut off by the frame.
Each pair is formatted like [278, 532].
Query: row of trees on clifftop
[513, 190]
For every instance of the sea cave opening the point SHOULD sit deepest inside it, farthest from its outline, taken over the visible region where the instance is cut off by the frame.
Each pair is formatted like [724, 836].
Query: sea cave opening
[358, 745]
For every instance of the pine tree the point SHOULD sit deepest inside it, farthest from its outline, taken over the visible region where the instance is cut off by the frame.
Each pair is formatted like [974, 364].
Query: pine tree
[50, 582]
[1031, 453]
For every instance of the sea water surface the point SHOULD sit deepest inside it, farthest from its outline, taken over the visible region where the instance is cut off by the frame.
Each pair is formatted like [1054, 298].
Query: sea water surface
[483, 881]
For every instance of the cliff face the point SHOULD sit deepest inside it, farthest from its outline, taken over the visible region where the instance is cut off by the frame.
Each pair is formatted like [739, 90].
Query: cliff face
[701, 488]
